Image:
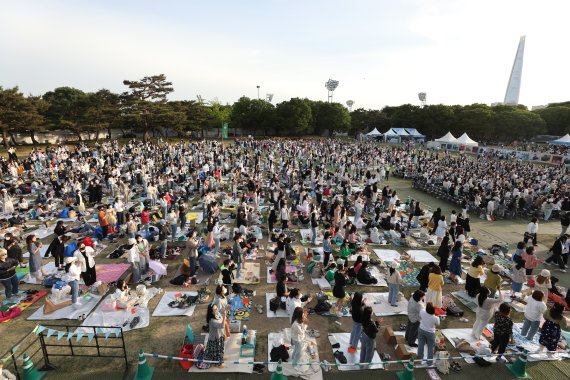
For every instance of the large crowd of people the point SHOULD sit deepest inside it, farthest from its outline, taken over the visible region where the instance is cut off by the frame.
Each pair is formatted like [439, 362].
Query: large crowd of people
[141, 191]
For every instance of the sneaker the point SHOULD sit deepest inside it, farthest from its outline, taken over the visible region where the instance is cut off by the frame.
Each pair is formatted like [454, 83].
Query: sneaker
[501, 359]
[413, 345]
[563, 270]
[351, 350]
[547, 263]
[77, 305]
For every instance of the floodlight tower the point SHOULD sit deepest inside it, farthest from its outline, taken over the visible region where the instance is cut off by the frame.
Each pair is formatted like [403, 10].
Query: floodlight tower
[269, 97]
[350, 103]
[331, 85]
[422, 96]
[258, 86]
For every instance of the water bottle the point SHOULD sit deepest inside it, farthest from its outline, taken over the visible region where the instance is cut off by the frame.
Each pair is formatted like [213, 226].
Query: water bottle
[244, 335]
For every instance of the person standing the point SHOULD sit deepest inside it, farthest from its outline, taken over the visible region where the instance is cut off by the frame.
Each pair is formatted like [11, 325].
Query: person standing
[485, 310]
[133, 258]
[435, 287]
[557, 257]
[221, 302]
[314, 225]
[13, 248]
[502, 331]
[84, 255]
[72, 277]
[284, 216]
[237, 254]
[173, 221]
[103, 223]
[215, 347]
[531, 231]
[394, 279]
[443, 253]
[338, 289]
[191, 250]
[423, 276]
[217, 236]
[535, 307]
[8, 274]
[35, 260]
[474, 273]
[144, 253]
[356, 306]
[298, 330]
[327, 248]
[415, 305]
[530, 260]
[368, 337]
[131, 226]
[426, 332]
[493, 280]
[455, 270]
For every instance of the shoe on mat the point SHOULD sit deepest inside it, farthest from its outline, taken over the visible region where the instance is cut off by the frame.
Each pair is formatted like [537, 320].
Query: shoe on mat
[339, 355]
[351, 350]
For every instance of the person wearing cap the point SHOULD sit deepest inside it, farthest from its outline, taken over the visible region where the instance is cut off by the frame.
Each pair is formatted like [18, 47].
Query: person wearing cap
[133, 258]
[84, 255]
[72, 276]
[394, 280]
[493, 280]
[8, 274]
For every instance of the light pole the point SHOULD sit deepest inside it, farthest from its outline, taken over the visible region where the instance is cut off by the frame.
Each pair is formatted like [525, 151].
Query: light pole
[350, 103]
[331, 85]
[258, 86]
[422, 96]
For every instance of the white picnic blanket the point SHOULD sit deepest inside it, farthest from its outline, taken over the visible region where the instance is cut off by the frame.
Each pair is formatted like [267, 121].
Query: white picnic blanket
[68, 312]
[280, 313]
[387, 254]
[163, 310]
[375, 272]
[307, 372]
[381, 306]
[232, 348]
[344, 340]
[421, 256]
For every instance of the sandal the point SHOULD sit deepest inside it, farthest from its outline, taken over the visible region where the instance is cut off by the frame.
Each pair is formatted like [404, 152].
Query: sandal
[313, 333]
[260, 309]
[339, 355]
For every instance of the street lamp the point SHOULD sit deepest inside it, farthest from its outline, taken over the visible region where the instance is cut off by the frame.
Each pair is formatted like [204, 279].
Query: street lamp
[422, 96]
[269, 97]
[350, 103]
[331, 85]
[258, 91]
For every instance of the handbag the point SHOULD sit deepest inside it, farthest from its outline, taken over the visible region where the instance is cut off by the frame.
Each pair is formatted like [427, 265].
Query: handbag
[274, 304]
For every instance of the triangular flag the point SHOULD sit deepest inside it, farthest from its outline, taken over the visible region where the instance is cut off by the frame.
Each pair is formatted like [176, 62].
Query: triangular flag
[36, 329]
[70, 335]
[99, 330]
[50, 332]
[40, 329]
[60, 334]
[107, 333]
[90, 336]
[79, 336]
[117, 332]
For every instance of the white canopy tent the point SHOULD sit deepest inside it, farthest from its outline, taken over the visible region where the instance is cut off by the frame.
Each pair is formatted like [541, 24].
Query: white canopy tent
[448, 138]
[466, 140]
[564, 140]
[374, 133]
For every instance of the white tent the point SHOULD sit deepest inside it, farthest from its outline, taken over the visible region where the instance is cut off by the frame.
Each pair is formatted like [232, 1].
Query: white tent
[564, 140]
[466, 140]
[375, 132]
[448, 138]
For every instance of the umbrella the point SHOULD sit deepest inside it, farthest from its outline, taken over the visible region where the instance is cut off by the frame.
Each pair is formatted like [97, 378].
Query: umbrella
[157, 267]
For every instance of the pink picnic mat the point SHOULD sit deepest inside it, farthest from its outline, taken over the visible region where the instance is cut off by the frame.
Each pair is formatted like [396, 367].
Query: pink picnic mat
[288, 269]
[110, 272]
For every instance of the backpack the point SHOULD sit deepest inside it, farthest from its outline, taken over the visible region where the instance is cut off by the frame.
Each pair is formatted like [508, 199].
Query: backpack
[179, 280]
[274, 304]
[199, 352]
[322, 306]
[279, 353]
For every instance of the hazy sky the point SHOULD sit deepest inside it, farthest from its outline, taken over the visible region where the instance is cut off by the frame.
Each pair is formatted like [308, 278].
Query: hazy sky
[383, 52]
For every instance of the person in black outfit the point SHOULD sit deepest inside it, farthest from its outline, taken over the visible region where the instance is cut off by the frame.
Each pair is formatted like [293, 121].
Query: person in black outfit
[56, 248]
[423, 276]
[338, 289]
[435, 219]
[368, 336]
[363, 276]
[59, 229]
[272, 219]
[90, 275]
[557, 257]
[443, 253]
[281, 288]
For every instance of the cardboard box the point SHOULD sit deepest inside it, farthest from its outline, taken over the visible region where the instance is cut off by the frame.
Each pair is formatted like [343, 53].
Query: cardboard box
[400, 339]
[402, 353]
[389, 336]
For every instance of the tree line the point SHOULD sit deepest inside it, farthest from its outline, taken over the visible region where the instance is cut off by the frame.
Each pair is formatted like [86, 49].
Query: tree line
[144, 108]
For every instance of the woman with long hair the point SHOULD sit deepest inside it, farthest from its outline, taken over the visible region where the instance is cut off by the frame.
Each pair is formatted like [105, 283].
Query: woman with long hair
[435, 287]
[368, 336]
[221, 302]
[486, 310]
[443, 253]
[472, 281]
[455, 269]
[426, 332]
[415, 305]
[215, 347]
[551, 329]
[298, 329]
[356, 306]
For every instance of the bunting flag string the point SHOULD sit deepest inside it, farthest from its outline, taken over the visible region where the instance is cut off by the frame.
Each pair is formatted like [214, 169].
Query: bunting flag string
[78, 335]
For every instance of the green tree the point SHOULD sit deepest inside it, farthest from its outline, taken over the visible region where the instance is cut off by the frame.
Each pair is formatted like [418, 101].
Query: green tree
[17, 113]
[557, 119]
[144, 100]
[516, 123]
[438, 119]
[329, 117]
[196, 115]
[252, 115]
[219, 114]
[477, 121]
[364, 121]
[36, 122]
[294, 117]
[407, 116]
[67, 109]
[103, 111]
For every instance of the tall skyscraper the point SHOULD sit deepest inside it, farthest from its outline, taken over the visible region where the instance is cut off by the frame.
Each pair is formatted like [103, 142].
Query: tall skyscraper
[514, 87]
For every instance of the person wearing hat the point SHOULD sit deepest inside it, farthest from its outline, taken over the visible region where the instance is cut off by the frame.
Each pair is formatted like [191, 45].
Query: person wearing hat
[493, 280]
[134, 259]
[394, 280]
[72, 276]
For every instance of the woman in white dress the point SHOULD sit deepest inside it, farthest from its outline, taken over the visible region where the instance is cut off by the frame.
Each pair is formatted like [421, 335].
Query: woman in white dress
[441, 229]
[7, 203]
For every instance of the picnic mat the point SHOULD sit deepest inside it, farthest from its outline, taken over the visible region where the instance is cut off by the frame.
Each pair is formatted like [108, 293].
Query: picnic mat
[333, 311]
[409, 275]
[464, 298]
[387, 254]
[453, 334]
[344, 340]
[421, 256]
[280, 313]
[250, 274]
[88, 303]
[240, 308]
[110, 272]
[271, 279]
[163, 310]
[312, 372]
[23, 301]
[381, 306]
[321, 282]
[232, 349]
[375, 272]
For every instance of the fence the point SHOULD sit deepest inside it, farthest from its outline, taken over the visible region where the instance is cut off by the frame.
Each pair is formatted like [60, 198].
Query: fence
[50, 341]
